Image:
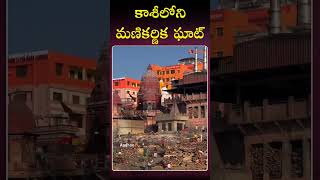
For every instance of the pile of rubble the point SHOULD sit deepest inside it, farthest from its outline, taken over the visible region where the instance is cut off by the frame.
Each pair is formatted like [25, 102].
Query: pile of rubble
[160, 152]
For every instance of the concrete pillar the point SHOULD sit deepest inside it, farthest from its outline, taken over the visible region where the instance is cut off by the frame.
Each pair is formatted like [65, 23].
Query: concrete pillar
[265, 104]
[29, 101]
[309, 105]
[246, 111]
[286, 160]
[35, 108]
[247, 154]
[290, 107]
[84, 74]
[206, 111]
[190, 108]
[266, 175]
[306, 159]
[304, 14]
[174, 124]
[275, 19]
[76, 75]
[159, 127]
[236, 4]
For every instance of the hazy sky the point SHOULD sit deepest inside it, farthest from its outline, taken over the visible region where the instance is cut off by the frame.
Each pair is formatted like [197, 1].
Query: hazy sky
[132, 61]
[76, 27]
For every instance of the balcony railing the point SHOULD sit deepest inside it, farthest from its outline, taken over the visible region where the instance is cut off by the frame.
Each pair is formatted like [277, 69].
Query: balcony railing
[201, 96]
[188, 97]
[56, 123]
[171, 117]
[295, 109]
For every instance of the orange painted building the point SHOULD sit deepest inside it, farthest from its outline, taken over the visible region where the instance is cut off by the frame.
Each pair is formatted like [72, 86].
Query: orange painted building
[127, 89]
[229, 23]
[174, 72]
[43, 79]
[52, 68]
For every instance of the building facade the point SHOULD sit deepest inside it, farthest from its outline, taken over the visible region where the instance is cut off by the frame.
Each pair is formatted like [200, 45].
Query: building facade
[267, 107]
[262, 120]
[52, 84]
[175, 72]
[230, 23]
[39, 148]
[127, 89]
[249, 4]
[189, 102]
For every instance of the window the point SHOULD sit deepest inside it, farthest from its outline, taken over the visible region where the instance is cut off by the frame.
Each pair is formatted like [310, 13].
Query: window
[116, 83]
[133, 93]
[80, 75]
[169, 126]
[90, 75]
[75, 73]
[59, 69]
[72, 74]
[167, 72]
[179, 126]
[57, 96]
[172, 71]
[257, 153]
[167, 79]
[128, 83]
[178, 71]
[220, 31]
[276, 171]
[21, 71]
[190, 112]
[158, 72]
[203, 112]
[162, 72]
[75, 99]
[138, 85]
[164, 126]
[196, 112]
